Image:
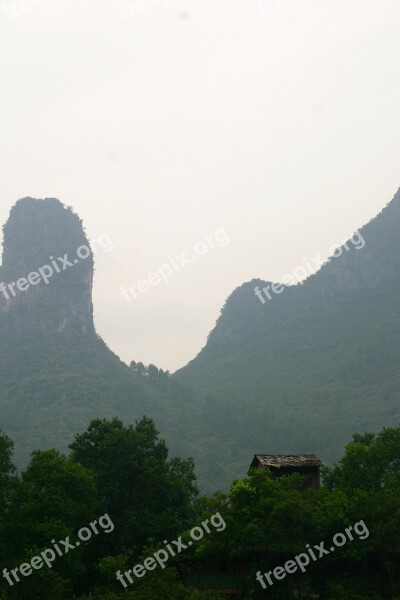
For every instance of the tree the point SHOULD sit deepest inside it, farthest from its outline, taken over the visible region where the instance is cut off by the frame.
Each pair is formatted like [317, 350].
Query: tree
[147, 495]
[371, 462]
[54, 498]
[7, 470]
[369, 474]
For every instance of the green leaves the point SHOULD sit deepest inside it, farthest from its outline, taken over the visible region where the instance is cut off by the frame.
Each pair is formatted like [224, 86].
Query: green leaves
[146, 494]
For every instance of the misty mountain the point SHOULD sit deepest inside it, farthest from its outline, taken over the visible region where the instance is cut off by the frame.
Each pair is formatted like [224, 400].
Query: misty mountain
[303, 370]
[56, 373]
[299, 372]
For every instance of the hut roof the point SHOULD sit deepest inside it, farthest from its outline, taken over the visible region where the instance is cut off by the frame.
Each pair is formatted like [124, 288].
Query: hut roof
[277, 461]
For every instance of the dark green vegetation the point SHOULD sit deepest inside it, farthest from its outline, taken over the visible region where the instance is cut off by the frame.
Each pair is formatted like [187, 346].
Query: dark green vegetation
[52, 385]
[303, 371]
[126, 473]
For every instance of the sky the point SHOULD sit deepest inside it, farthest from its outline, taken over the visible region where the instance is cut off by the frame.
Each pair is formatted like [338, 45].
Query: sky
[210, 141]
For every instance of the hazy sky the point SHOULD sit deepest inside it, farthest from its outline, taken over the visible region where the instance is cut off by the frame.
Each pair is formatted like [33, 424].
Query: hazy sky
[164, 121]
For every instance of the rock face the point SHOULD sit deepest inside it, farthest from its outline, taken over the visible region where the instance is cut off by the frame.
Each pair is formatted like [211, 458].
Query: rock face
[47, 272]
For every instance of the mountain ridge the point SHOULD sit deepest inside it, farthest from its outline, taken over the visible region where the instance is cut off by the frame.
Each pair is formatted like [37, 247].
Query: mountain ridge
[274, 377]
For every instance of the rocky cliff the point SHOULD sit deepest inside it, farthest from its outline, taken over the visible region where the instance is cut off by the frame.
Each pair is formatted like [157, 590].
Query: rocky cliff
[47, 271]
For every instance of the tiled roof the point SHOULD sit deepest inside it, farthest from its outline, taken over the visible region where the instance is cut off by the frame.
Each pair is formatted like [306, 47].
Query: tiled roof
[286, 460]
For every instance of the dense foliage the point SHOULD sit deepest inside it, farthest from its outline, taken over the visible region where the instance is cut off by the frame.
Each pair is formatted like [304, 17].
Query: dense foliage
[124, 472]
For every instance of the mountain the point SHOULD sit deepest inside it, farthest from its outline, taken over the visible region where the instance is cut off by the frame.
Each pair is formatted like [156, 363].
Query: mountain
[303, 370]
[296, 373]
[56, 373]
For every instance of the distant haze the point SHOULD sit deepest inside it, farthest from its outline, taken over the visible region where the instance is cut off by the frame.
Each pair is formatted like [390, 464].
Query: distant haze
[275, 123]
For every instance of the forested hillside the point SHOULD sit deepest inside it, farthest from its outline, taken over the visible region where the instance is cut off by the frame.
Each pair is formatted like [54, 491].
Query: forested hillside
[56, 373]
[302, 371]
